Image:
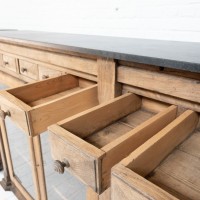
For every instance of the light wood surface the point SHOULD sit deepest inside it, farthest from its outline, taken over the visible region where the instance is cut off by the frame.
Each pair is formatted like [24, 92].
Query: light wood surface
[10, 63]
[28, 69]
[184, 88]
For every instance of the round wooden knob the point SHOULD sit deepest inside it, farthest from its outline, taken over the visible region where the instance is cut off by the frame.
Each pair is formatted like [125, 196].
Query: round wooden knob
[24, 70]
[45, 76]
[60, 166]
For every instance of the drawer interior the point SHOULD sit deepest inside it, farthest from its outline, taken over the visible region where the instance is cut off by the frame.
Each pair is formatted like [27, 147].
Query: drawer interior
[45, 102]
[171, 158]
[113, 129]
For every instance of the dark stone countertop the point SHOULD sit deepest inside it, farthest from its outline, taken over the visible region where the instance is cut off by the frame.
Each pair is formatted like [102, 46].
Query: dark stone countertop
[171, 54]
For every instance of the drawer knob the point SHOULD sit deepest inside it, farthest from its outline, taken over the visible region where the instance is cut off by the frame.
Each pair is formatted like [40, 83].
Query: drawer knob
[45, 76]
[24, 70]
[60, 166]
[6, 63]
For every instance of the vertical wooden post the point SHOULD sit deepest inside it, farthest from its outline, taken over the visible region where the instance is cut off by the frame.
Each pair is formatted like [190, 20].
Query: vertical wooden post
[38, 170]
[108, 88]
[6, 181]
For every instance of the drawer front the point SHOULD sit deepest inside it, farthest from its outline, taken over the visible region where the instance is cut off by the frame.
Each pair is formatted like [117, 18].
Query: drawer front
[80, 164]
[10, 63]
[28, 69]
[45, 72]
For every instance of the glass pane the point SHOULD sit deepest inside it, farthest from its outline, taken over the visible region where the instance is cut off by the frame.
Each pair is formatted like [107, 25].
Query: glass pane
[59, 186]
[20, 155]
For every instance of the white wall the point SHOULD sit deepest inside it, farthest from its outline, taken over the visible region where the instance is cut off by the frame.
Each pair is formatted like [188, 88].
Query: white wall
[158, 19]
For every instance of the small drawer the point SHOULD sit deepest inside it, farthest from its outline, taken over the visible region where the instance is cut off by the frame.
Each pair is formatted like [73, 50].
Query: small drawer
[45, 72]
[10, 63]
[37, 105]
[161, 168]
[92, 142]
[28, 69]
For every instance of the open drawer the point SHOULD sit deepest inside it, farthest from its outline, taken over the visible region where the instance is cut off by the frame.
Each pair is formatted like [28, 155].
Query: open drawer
[37, 105]
[162, 168]
[90, 143]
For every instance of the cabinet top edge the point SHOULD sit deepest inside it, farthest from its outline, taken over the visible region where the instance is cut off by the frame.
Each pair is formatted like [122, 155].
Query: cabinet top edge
[163, 53]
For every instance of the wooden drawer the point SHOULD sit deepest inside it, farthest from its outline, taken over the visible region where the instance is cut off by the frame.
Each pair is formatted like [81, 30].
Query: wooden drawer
[10, 63]
[28, 69]
[161, 168]
[94, 141]
[45, 72]
[35, 106]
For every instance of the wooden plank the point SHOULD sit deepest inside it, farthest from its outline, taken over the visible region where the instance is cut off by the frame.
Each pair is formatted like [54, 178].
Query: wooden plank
[91, 194]
[34, 91]
[87, 122]
[81, 163]
[126, 184]
[162, 97]
[191, 145]
[184, 88]
[46, 114]
[179, 174]
[108, 88]
[10, 80]
[124, 145]
[144, 159]
[68, 61]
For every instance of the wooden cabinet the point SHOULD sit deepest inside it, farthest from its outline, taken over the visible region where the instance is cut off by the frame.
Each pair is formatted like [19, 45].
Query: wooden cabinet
[10, 63]
[92, 142]
[28, 69]
[161, 168]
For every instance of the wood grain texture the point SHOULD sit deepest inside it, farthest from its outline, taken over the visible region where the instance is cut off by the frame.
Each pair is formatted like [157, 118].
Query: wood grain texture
[41, 89]
[82, 163]
[147, 157]
[28, 69]
[17, 110]
[10, 80]
[108, 88]
[1, 59]
[124, 145]
[184, 88]
[128, 185]
[107, 113]
[45, 72]
[179, 174]
[68, 61]
[10, 63]
[50, 112]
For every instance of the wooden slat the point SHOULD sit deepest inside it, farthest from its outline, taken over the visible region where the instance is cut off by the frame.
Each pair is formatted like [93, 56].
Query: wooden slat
[108, 88]
[162, 97]
[124, 145]
[128, 185]
[184, 88]
[100, 116]
[34, 91]
[46, 114]
[148, 156]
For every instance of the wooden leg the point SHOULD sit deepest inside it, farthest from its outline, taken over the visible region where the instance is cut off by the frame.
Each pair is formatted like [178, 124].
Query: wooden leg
[91, 195]
[6, 181]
